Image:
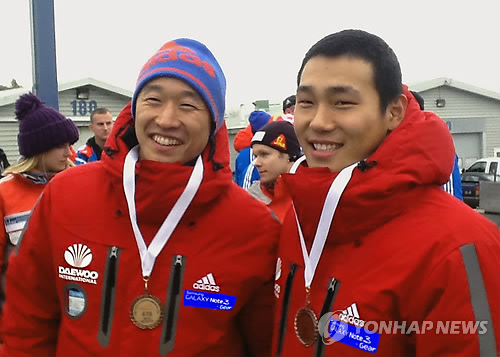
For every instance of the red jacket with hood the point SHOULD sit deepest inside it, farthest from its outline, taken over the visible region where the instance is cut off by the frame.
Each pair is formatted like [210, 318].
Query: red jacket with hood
[54, 307]
[401, 250]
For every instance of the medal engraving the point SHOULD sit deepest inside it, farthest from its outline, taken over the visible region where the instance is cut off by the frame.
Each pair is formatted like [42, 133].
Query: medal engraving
[306, 326]
[146, 312]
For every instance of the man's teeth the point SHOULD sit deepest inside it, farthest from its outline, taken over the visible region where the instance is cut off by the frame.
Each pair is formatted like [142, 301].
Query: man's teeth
[325, 147]
[165, 141]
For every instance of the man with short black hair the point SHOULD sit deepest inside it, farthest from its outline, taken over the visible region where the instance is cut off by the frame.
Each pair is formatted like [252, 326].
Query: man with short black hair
[101, 124]
[375, 256]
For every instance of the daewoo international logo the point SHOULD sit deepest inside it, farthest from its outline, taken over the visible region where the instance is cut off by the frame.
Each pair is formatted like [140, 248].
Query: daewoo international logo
[78, 255]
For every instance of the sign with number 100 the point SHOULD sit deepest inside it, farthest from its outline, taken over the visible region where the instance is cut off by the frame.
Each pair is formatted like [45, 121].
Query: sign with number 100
[83, 107]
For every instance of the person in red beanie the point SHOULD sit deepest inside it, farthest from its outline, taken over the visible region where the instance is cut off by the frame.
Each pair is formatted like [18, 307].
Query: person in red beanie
[44, 140]
[157, 258]
[375, 258]
[276, 149]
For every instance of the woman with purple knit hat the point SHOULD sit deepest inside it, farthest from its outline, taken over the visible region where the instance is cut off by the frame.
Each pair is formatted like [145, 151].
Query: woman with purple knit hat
[44, 140]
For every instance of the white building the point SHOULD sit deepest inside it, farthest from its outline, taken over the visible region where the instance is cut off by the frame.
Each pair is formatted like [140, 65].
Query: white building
[77, 100]
[471, 113]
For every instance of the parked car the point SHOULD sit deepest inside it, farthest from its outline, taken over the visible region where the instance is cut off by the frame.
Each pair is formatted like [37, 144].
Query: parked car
[490, 165]
[470, 186]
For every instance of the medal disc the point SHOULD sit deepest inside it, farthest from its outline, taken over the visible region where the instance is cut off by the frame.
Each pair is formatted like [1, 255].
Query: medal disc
[306, 326]
[146, 312]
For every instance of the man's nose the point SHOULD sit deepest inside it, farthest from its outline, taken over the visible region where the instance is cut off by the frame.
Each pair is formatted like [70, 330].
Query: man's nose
[323, 119]
[168, 116]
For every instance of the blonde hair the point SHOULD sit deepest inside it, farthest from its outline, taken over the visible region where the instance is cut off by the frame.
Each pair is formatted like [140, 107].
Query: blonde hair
[29, 164]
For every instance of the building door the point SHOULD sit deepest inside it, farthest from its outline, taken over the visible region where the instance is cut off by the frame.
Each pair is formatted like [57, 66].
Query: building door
[468, 147]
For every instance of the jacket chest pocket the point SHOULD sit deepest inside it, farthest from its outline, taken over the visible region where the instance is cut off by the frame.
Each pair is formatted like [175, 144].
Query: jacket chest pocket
[108, 294]
[89, 271]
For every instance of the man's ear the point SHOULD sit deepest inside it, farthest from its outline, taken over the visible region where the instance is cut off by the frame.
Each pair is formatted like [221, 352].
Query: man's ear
[396, 111]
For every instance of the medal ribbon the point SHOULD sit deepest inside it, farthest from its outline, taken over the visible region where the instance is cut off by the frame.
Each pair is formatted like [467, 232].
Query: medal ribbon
[296, 164]
[332, 199]
[148, 254]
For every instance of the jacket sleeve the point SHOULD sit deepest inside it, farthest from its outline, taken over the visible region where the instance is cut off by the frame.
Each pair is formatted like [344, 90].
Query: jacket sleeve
[73, 153]
[243, 138]
[81, 158]
[32, 312]
[459, 303]
[256, 319]
[457, 181]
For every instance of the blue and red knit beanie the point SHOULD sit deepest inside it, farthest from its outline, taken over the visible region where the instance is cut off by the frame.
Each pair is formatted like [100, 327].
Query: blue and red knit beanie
[192, 62]
[258, 119]
[41, 127]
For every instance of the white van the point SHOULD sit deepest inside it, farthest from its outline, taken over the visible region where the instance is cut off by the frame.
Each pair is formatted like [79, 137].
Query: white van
[490, 165]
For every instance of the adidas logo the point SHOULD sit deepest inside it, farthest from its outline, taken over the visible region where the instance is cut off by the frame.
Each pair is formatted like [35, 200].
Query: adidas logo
[207, 283]
[351, 316]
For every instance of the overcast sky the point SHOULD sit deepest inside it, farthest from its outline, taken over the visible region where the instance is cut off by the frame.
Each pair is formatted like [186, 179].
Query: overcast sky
[259, 44]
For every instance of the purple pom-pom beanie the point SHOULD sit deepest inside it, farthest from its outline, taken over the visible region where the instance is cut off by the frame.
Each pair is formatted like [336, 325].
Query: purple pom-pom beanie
[41, 127]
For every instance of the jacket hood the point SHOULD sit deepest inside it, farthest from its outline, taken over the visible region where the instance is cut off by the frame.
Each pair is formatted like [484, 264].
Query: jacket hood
[418, 154]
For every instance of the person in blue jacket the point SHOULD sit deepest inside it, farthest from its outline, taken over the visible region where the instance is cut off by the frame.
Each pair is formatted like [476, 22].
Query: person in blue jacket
[245, 172]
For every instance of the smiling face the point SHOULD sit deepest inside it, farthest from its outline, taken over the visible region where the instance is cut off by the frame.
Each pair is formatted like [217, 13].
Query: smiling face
[338, 120]
[172, 121]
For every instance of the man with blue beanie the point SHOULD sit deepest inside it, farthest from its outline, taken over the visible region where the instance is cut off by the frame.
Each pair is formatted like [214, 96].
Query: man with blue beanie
[157, 258]
[245, 173]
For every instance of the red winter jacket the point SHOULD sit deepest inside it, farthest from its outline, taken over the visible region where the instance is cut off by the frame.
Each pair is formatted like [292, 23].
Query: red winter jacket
[243, 138]
[404, 255]
[278, 199]
[58, 305]
[18, 195]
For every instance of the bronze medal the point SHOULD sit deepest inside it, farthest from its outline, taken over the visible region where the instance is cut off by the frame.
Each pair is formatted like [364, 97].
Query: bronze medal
[306, 326]
[146, 312]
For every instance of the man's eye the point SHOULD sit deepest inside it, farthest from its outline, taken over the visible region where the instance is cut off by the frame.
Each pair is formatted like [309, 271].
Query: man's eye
[151, 99]
[305, 103]
[188, 106]
[342, 102]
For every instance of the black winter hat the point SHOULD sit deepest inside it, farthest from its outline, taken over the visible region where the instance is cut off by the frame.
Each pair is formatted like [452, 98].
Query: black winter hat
[279, 135]
[288, 102]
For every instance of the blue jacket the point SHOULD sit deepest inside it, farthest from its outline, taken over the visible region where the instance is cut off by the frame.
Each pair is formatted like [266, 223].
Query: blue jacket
[454, 185]
[90, 152]
[245, 172]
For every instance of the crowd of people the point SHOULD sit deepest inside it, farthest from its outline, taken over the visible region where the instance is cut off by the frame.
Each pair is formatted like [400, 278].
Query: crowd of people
[336, 221]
